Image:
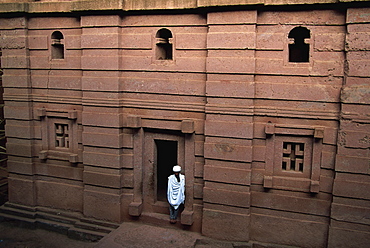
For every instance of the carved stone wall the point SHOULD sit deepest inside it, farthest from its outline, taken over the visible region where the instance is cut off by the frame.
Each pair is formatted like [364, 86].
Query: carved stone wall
[266, 108]
[350, 207]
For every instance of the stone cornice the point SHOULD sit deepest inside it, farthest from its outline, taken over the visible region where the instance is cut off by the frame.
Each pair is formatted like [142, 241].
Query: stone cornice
[9, 6]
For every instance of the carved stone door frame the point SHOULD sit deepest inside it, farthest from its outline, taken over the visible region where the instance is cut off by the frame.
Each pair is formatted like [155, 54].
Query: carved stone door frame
[144, 198]
[151, 204]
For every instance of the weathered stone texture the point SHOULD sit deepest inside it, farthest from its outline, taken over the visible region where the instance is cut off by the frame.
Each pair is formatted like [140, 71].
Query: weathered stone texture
[351, 199]
[90, 103]
[95, 203]
[343, 234]
[22, 190]
[284, 227]
[59, 195]
[234, 220]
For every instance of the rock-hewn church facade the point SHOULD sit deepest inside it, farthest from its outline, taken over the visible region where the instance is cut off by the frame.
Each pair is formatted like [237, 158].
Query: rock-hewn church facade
[264, 104]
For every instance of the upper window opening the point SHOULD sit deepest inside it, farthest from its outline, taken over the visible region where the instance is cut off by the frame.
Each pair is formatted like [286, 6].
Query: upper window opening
[299, 51]
[57, 45]
[164, 45]
[57, 35]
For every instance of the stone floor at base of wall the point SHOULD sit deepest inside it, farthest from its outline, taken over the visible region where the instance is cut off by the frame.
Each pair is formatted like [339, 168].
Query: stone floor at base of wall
[136, 235]
[128, 235]
[13, 235]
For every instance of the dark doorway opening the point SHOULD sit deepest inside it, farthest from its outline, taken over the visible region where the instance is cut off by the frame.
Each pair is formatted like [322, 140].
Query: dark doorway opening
[166, 159]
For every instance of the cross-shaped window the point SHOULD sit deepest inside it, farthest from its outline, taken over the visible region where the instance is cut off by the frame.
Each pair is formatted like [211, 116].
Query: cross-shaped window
[293, 155]
[61, 135]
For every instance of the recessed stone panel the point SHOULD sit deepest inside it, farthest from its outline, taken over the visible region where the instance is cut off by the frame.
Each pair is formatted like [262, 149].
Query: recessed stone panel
[22, 191]
[291, 203]
[308, 17]
[235, 222]
[301, 92]
[191, 40]
[18, 147]
[355, 186]
[101, 40]
[136, 41]
[95, 203]
[270, 41]
[38, 42]
[226, 174]
[102, 179]
[240, 89]
[272, 228]
[228, 150]
[230, 40]
[228, 129]
[53, 22]
[352, 164]
[20, 165]
[348, 234]
[59, 195]
[235, 17]
[358, 63]
[12, 22]
[100, 20]
[18, 131]
[357, 15]
[350, 213]
[330, 42]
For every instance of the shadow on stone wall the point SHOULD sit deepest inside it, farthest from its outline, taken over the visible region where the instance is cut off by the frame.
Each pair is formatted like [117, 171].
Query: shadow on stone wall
[3, 156]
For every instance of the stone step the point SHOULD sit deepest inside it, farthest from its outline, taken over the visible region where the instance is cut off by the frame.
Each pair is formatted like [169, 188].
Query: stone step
[55, 217]
[83, 234]
[211, 243]
[22, 222]
[60, 212]
[19, 206]
[76, 230]
[64, 222]
[54, 226]
[158, 219]
[93, 227]
[17, 212]
[107, 224]
[161, 207]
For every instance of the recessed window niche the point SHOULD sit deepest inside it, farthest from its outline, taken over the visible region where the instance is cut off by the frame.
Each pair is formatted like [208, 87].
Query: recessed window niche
[57, 45]
[299, 50]
[59, 135]
[294, 158]
[164, 46]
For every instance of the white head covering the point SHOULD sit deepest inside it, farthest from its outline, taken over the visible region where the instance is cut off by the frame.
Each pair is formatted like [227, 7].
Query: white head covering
[176, 168]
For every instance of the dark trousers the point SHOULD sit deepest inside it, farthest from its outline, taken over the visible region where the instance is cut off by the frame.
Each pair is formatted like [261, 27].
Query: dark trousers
[174, 212]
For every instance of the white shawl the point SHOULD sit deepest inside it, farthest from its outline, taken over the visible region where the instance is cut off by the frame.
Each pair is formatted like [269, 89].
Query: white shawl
[176, 191]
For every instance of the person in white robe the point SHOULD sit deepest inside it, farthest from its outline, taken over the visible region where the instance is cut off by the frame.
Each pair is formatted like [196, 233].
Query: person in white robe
[175, 192]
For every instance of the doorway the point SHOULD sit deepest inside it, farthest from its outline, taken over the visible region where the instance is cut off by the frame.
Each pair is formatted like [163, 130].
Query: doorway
[166, 159]
[162, 150]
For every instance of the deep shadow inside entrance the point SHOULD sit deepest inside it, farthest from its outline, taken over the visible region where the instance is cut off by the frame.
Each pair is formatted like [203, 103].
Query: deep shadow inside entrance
[166, 159]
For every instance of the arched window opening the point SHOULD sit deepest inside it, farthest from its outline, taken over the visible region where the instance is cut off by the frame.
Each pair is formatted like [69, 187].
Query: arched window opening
[299, 51]
[57, 46]
[164, 45]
